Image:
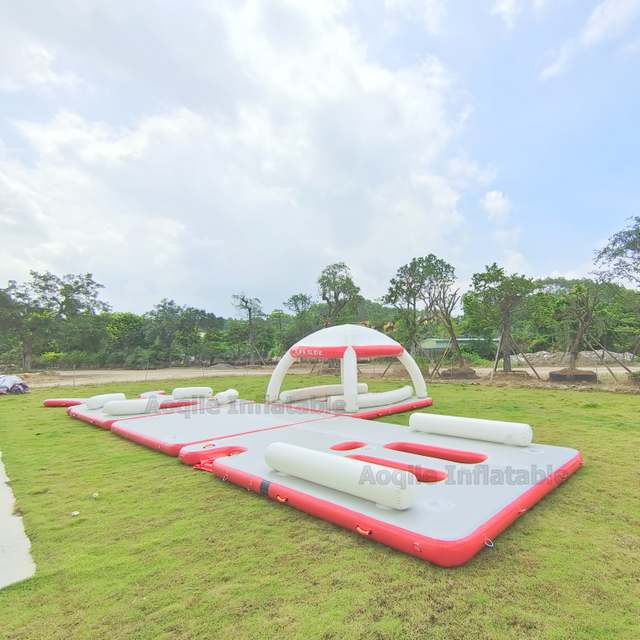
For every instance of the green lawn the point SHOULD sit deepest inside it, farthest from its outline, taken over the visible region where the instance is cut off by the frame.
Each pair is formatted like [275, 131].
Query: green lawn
[168, 552]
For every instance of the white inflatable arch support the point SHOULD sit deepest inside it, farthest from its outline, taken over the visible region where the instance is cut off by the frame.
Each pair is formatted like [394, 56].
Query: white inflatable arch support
[348, 343]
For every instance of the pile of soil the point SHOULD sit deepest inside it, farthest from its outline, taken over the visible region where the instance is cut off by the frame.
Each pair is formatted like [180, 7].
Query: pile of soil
[573, 375]
[517, 373]
[455, 372]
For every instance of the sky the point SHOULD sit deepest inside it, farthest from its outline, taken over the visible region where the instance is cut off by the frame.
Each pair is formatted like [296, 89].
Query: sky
[199, 149]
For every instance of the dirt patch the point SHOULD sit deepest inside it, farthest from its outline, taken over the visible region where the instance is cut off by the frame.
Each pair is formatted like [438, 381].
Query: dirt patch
[518, 373]
[460, 374]
[573, 375]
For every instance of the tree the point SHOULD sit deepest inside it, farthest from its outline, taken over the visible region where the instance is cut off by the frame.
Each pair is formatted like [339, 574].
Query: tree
[423, 290]
[279, 319]
[126, 331]
[21, 315]
[193, 323]
[620, 259]
[492, 301]
[338, 291]
[67, 296]
[304, 321]
[299, 303]
[408, 293]
[250, 308]
[581, 303]
[445, 298]
[164, 325]
[33, 310]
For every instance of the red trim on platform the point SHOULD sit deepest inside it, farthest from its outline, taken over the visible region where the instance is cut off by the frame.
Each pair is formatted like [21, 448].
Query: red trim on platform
[362, 351]
[422, 474]
[176, 403]
[348, 446]
[63, 402]
[446, 553]
[105, 422]
[452, 455]
[389, 411]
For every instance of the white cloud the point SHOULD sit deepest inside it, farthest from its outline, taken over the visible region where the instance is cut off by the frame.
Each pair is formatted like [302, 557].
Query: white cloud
[508, 10]
[515, 262]
[582, 271]
[463, 170]
[297, 150]
[497, 205]
[630, 47]
[430, 12]
[609, 20]
[511, 10]
[25, 64]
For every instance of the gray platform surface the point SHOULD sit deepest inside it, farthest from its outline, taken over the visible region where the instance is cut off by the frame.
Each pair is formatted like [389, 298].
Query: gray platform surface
[82, 412]
[320, 404]
[219, 422]
[15, 557]
[446, 510]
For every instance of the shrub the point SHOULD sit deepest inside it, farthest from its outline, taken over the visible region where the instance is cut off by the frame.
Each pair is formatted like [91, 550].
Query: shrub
[485, 349]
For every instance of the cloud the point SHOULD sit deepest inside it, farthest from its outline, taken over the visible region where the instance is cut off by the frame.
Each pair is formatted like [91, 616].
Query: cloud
[582, 271]
[497, 205]
[630, 47]
[515, 262]
[608, 21]
[463, 170]
[508, 10]
[289, 148]
[25, 64]
[430, 12]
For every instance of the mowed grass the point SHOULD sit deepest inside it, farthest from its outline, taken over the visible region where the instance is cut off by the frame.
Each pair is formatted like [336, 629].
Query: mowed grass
[169, 552]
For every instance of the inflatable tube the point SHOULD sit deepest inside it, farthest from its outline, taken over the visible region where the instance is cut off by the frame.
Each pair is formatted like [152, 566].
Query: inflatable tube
[130, 407]
[97, 402]
[395, 489]
[226, 397]
[148, 394]
[514, 433]
[373, 399]
[321, 391]
[64, 402]
[186, 393]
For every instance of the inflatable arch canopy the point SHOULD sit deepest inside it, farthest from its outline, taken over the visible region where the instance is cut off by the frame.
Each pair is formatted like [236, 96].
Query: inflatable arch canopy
[348, 343]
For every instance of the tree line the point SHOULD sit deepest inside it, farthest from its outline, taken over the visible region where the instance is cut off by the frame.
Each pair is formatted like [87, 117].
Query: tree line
[61, 321]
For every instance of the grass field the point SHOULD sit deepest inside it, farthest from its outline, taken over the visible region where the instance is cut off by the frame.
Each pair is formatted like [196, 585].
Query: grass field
[168, 552]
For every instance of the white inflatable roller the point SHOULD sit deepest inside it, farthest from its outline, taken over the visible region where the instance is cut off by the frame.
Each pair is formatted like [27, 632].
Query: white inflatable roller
[488, 430]
[130, 407]
[373, 399]
[322, 391]
[190, 393]
[226, 397]
[394, 488]
[97, 402]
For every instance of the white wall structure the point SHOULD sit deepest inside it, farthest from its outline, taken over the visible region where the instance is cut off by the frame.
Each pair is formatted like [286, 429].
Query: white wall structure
[347, 342]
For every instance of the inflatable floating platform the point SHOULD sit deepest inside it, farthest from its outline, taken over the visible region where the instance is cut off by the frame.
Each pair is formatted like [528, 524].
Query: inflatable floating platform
[440, 489]
[438, 497]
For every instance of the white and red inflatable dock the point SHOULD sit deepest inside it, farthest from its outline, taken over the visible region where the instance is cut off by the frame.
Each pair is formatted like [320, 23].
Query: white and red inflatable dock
[440, 489]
